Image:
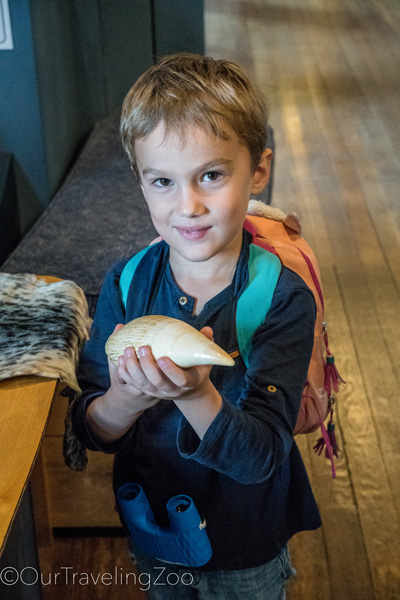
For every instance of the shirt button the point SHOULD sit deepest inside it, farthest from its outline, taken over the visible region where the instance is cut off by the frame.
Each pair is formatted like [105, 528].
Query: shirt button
[183, 300]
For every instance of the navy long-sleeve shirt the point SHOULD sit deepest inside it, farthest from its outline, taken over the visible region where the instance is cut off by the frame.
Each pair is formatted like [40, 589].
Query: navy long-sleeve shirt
[246, 475]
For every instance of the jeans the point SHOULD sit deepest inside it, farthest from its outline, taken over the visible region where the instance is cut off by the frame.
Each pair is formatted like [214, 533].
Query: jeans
[170, 582]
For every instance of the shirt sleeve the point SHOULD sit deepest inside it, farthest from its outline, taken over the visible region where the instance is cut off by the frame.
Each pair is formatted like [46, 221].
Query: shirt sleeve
[250, 440]
[93, 375]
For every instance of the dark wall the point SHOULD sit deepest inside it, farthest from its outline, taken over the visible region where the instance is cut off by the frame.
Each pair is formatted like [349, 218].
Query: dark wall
[20, 116]
[178, 26]
[73, 62]
[88, 54]
[9, 217]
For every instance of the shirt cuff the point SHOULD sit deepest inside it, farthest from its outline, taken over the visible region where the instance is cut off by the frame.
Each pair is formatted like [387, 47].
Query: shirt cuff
[90, 441]
[206, 450]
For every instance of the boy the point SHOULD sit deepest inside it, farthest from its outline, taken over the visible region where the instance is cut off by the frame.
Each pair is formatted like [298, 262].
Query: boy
[195, 132]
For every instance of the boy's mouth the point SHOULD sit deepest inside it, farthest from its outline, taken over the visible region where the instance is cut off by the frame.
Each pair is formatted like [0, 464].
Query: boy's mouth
[192, 233]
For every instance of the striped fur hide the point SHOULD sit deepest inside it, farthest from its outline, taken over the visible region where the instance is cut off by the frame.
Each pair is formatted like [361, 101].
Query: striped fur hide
[43, 327]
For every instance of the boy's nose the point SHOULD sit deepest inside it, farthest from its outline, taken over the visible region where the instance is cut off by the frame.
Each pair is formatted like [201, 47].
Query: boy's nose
[190, 204]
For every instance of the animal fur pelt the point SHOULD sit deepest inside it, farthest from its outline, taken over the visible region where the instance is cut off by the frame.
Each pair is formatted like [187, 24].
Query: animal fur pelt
[43, 327]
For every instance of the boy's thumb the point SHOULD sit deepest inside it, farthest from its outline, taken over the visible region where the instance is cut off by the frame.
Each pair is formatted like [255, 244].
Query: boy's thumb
[208, 332]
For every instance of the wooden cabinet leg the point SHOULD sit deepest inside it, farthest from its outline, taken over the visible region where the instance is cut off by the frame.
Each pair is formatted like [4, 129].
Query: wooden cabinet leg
[42, 513]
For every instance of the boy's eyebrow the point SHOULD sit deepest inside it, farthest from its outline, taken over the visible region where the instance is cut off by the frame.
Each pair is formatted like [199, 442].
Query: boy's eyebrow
[208, 165]
[148, 170]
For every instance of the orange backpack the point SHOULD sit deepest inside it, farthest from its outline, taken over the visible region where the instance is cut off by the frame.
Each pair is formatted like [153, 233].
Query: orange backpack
[278, 236]
[281, 235]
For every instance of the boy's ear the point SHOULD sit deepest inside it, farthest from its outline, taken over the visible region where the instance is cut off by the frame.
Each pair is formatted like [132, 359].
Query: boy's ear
[261, 174]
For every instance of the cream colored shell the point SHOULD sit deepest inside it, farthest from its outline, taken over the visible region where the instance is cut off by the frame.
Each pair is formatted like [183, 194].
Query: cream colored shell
[181, 342]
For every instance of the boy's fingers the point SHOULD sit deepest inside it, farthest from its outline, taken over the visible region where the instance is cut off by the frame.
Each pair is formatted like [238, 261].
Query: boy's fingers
[176, 375]
[118, 327]
[155, 376]
[114, 374]
[133, 367]
[208, 332]
[143, 371]
[111, 366]
[122, 372]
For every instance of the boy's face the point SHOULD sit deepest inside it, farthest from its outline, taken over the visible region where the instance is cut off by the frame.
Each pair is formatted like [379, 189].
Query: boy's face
[198, 190]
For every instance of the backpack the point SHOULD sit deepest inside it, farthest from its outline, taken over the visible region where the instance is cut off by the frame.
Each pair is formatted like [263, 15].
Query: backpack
[277, 241]
[281, 234]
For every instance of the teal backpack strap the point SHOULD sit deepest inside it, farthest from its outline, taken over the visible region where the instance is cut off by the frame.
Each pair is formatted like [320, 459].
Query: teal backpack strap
[253, 305]
[255, 302]
[127, 274]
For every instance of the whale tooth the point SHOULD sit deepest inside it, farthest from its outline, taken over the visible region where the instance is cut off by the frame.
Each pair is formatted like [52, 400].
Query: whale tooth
[182, 343]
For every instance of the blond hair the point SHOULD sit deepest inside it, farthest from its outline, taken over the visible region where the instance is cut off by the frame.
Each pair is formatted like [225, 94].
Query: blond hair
[183, 90]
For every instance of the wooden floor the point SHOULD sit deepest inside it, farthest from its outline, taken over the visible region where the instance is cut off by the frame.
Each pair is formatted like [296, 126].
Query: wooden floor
[330, 70]
[331, 73]
[91, 568]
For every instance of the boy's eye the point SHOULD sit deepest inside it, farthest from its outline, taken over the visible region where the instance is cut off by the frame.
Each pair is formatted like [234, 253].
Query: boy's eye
[212, 176]
[162, 182]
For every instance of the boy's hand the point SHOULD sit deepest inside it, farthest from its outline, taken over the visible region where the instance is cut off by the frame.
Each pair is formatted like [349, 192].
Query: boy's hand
[146, 379]
[191, 389]
[138, 384]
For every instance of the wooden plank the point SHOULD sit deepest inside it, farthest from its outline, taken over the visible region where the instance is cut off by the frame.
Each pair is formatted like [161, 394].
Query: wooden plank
[20, 554]
[91, 504]
[294, 125]
[375, 53]
[42, 514]
[355, 282]
[382, 387]
[312, 579]
[389, 11]
[56, 424]
[79, 499]
[89, 561]
[334, 498]
[40, 504]
[332, 72]
[367, 127]
[222, 25]
[371, 488]
[377, 331]
[329, 554]
[25, 405]
[307, 548]
[338, 499]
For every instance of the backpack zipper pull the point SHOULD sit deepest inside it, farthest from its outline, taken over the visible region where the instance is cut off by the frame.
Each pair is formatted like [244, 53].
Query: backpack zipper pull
[331, 430]
[332, 377]
[328, 439]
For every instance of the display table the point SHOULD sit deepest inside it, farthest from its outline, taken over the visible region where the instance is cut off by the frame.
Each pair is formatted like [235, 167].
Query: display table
[25, 404]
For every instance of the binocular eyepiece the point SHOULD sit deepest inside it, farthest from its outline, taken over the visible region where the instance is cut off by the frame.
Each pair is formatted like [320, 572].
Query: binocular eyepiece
[184, 541]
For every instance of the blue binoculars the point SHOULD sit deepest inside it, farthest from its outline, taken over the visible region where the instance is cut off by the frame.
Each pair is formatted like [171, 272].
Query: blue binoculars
[184, 542]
